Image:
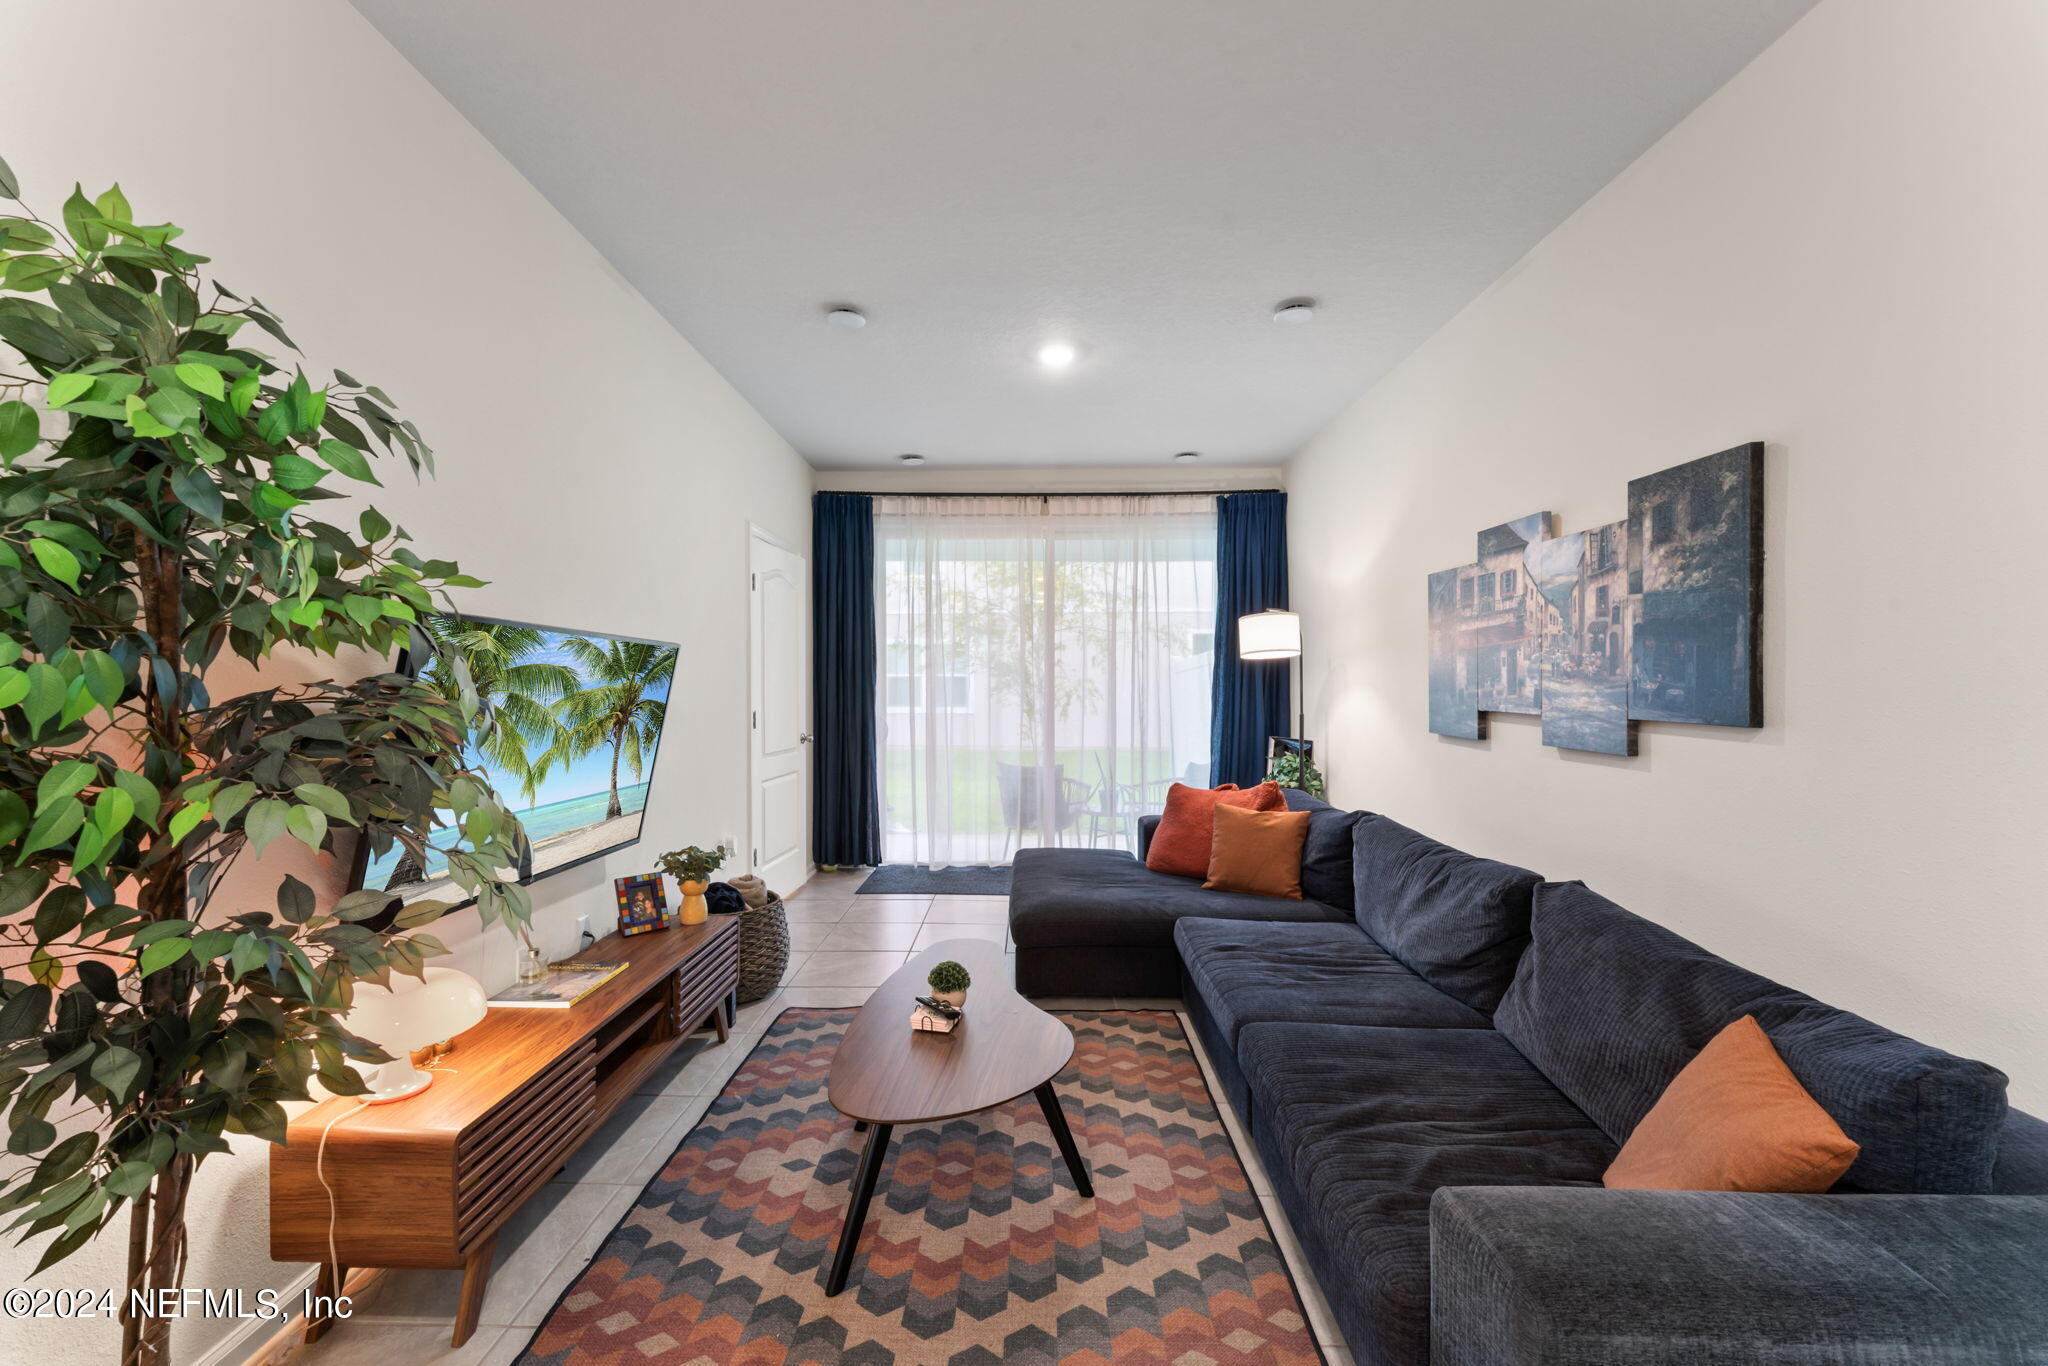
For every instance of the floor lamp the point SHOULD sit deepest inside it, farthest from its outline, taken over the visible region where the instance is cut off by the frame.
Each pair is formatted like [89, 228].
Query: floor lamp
[1275, 634]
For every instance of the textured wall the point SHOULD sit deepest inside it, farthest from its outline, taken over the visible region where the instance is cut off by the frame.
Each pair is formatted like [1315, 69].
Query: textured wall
[1840, 254]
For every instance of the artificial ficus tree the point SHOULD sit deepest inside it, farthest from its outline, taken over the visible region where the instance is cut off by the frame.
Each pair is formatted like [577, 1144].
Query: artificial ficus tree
[157, 511]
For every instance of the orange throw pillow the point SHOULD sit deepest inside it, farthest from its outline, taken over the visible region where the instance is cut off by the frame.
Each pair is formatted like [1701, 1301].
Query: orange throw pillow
[1257, 851]
[1734, 1119]
[1188, 824]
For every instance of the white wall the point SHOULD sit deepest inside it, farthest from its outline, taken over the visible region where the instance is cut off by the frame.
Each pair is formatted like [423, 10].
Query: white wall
[1843, 253]
[594, 468]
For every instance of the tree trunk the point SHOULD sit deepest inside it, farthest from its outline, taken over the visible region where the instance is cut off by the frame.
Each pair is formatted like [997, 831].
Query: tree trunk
[156, 1241]
[156, 1264]
[615, 809]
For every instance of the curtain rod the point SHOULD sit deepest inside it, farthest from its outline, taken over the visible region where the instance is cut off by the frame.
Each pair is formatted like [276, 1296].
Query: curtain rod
[1064, 493]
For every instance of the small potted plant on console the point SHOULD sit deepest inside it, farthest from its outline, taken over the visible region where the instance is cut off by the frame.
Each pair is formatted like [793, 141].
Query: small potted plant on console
[692, 869]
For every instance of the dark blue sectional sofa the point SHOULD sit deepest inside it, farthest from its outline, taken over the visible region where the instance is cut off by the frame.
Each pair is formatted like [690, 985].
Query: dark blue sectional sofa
[1438, 1055]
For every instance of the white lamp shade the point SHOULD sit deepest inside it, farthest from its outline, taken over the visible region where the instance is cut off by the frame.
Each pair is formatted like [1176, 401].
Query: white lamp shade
[1269, 635]
[408, 1016]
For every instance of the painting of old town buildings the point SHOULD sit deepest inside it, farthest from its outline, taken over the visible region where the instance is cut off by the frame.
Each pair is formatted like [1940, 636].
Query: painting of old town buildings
[1652, 618]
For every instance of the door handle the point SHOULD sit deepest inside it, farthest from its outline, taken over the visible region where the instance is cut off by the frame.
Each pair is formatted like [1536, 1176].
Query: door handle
[804, 738]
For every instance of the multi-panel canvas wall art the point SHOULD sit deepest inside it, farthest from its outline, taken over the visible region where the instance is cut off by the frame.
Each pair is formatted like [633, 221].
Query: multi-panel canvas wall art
[1652, 618]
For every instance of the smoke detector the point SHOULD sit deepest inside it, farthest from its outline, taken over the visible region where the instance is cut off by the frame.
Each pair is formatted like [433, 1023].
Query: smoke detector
[1294, 312]
[910, 459]
[844, 316]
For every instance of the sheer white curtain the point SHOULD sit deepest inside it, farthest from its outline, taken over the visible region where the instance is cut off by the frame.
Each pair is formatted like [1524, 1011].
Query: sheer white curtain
[1045, 668]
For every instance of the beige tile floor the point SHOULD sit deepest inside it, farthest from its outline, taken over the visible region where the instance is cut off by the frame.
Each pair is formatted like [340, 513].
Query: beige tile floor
[842, 946]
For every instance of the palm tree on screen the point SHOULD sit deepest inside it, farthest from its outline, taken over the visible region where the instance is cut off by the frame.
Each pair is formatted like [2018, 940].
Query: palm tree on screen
[518, 690]
[615, 707]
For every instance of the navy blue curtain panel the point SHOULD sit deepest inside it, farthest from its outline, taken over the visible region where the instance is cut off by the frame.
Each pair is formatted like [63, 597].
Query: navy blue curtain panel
[846, 803]
[1249, 700]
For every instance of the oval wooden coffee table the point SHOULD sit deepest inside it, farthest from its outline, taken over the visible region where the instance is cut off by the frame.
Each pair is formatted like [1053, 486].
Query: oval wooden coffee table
[886, 1073]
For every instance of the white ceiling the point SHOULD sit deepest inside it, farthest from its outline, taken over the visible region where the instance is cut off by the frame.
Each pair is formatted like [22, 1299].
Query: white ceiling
[1143, 178]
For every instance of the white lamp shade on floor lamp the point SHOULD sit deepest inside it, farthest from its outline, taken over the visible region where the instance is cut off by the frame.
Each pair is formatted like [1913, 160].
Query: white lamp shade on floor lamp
[1269, 635]
[412, 1013]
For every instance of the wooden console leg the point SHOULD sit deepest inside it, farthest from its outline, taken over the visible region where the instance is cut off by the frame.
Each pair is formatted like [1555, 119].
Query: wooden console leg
[476, 1275]
[327, 1287]
[718, 1022]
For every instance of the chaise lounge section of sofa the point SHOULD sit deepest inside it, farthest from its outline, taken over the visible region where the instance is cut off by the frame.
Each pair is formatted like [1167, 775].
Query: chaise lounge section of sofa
[1438, 1061]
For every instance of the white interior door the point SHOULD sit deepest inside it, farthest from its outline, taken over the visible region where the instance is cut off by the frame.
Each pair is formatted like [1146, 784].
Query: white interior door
[781, 769]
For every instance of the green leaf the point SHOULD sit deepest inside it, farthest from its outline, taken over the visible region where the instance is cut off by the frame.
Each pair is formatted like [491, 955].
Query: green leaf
[13, 686]
[54, 826]
[250, 954]
[82, 221]
[144, 794]
[103, 678]
[30, 274]
[10, 188]
[294, 900]
[290, 470]
[66, 387]
[112, 811]
[186, 819]
[31, 1135]
[19, 888]
[46, 691]
[265, 822]
[58, 562]
[175, 408]
[197, 491]
[308, 825]
[61, 912]
[202, 379]
[346, 459]
[163, 953]
[118, 1069]
[375, 525]
[113, 204]
[129, 1180]
[141, 421]
[66, 779]
[20, 429]
[325, 798]
[243, 393]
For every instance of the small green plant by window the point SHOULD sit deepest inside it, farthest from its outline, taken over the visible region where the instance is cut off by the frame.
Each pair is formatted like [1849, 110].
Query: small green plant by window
[1291, 770]
[948, 976]
[692, 864]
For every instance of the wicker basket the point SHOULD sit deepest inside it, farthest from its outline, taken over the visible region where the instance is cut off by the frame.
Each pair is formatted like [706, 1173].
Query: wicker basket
[764, 949]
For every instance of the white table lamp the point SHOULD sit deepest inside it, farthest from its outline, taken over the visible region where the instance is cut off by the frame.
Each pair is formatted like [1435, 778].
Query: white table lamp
[407, 1017]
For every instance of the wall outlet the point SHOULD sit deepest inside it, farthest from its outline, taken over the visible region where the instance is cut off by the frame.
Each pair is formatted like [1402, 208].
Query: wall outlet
[582, 928]
[728, 846]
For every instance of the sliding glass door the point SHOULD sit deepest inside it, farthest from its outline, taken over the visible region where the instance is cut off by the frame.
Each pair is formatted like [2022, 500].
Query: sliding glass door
[1045, 668]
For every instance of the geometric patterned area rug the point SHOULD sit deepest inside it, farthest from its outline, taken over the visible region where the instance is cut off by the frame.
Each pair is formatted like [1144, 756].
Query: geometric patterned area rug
[978, 1250]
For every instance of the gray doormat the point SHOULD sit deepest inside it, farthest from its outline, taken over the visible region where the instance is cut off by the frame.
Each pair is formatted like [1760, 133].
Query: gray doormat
[913, 879]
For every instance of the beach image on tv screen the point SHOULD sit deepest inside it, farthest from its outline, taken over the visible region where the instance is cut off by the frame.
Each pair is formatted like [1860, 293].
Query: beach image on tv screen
[576, 720]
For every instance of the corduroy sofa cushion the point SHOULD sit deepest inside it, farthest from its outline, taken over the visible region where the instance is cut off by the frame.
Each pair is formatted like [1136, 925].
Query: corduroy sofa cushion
[1459, 921]
[1326, 856]
[1610, 1006]
[1360, 1126]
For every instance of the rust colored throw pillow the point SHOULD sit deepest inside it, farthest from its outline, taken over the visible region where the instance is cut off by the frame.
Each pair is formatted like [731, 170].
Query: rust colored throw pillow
[1257, 851]
[1188, 824]
[1734, 1119]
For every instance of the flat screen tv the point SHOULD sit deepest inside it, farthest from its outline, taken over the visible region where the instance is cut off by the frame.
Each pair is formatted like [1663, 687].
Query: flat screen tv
[575, 722]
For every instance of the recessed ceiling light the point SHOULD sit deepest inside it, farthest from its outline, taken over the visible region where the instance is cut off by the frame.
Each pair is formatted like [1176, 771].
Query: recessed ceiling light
[1293, 311]
[1057, 355]
[846, 317]
[911, 459]
[1187, 457]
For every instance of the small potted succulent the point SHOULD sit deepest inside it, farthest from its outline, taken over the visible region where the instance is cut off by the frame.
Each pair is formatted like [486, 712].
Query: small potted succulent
[949, 982]
[692, 869]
